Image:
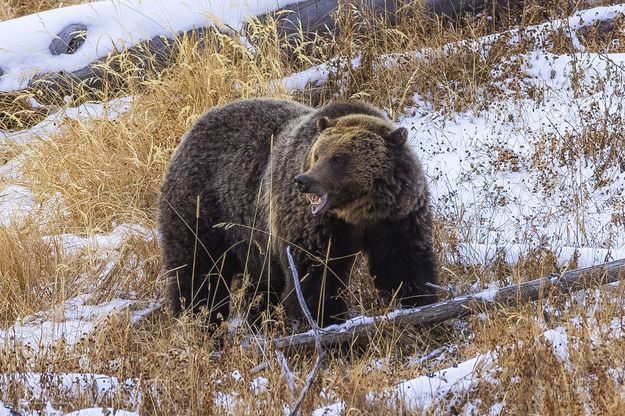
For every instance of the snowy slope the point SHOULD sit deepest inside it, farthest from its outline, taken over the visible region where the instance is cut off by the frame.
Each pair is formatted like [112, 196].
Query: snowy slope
[494, 176]
[489, 177]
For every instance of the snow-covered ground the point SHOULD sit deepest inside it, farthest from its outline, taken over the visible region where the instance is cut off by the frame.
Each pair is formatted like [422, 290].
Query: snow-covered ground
[491, 177]
[111, 25]
[74, 319]
[70, 322]
[98, 386]
[426, 391]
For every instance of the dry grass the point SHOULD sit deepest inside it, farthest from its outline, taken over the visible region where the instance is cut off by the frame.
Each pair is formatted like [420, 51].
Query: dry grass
[11, 9]
[109, 171]
[105, 172]
[30, 272]
[534, 380]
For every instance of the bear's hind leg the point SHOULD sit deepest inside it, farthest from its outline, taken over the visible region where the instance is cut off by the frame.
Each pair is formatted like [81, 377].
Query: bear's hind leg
[202, 282]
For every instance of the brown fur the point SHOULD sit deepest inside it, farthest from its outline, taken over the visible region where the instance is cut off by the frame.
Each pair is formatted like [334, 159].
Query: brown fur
[248, 153]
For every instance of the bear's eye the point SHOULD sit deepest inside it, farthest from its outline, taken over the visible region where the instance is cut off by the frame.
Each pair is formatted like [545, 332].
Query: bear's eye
[338, 159]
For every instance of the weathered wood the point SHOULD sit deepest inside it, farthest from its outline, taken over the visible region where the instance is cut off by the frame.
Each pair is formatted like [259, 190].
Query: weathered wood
[455, 8]
[69, 39]
[317, 16]
[429, 315]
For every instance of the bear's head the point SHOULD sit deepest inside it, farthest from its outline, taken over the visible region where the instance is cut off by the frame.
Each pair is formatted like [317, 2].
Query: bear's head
[360, 169]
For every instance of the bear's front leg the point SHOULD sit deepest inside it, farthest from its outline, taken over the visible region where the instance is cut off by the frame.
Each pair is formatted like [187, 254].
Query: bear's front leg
[321, 283]
[401, 258]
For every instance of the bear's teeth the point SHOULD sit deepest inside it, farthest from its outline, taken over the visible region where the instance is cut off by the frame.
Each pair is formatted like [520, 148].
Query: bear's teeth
[313, 199]
[319, 203]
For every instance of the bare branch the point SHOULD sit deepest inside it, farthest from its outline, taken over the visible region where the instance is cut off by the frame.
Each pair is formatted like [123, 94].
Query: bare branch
[286, 372]
[300, 295]
[260, 367]
[315, 331]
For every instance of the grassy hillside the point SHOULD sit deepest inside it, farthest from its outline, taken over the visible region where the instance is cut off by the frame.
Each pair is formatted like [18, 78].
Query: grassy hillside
[81, 287]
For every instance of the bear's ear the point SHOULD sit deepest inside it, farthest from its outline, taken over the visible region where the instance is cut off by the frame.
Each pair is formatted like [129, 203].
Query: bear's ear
[398, 136]
[323, 123]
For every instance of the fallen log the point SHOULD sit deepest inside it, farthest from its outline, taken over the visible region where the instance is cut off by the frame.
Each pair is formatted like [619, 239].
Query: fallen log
[307, 18]
[318, 16]
[148, 57]
[362, 329]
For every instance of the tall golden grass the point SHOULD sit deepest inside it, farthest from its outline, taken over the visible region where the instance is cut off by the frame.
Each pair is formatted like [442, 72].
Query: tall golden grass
[102, 172]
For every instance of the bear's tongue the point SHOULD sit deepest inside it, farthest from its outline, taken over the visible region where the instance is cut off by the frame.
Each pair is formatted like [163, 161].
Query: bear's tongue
[318, 203]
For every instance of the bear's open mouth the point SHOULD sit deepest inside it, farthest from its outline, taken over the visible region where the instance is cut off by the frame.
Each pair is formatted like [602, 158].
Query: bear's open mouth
[318, 203]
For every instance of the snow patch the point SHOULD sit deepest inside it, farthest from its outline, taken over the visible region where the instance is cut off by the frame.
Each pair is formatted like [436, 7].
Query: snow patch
[422, 392]
[335, 409]
[111, 25]
[16, 203]
[73, 244]
[259, 385]
[70, 321]
[96, 387]
[100, 411]
[559, 340]
[50, 125]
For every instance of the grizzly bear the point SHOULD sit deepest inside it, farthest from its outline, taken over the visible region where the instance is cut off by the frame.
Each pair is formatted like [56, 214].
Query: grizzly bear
[254, 176]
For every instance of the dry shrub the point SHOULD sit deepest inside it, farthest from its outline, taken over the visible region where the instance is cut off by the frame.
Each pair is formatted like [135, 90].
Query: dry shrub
[37, 271]
[445, 64]
[604, 36]
[132, 270]
[532, 378]
[16, 113]
[170, 360]
[387, 62]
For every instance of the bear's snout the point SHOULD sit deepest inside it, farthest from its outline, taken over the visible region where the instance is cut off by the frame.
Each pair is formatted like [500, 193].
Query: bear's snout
[303, 182]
